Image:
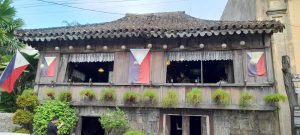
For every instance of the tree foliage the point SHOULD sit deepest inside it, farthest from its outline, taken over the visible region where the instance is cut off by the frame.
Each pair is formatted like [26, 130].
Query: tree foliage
[44, 114]
[114, 122]
[8, 25]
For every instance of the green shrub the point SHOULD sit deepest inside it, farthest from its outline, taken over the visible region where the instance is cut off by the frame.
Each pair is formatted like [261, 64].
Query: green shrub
[150, 96]
[50, 93]
[134, 132]
[246, 99]
[193, 97]
[28, 99]
[65, 96]
[108, 94]
[22, 117]
[221, 97]
[170, 100]
[131, 97]
[114, 122]
[22, 130]
[274, 98]
[44, 113]
[87, 94]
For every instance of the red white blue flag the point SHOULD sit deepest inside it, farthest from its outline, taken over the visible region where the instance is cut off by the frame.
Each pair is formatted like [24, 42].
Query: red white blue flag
[48, 70]
[139, 66]
[256, 65]
[12, 72]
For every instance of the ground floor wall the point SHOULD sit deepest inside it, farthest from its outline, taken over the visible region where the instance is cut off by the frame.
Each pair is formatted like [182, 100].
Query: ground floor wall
[155, 121]
[6, 124]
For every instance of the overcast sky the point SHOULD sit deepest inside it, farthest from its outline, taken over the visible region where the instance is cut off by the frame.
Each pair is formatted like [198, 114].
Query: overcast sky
[52, 13]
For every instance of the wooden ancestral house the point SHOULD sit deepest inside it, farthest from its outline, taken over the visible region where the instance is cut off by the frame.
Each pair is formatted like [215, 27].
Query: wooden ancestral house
[170, 53]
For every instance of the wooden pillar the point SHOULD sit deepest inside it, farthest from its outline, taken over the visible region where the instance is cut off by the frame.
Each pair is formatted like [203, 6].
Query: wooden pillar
[166, 125]
[186, 125]
[79, 126]
[205, 125]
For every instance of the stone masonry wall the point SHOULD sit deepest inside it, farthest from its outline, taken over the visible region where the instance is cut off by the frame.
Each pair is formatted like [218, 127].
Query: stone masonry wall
[145, 119]
[244, 123]
[6, 124]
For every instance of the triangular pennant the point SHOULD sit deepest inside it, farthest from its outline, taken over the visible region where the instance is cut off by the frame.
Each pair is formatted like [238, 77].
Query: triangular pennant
[255, 56]
[49, 60]
[139, 54]
[20, 60]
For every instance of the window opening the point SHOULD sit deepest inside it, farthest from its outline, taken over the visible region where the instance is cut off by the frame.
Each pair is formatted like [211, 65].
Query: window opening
[183, 71]
[219, 71]
[90, 71]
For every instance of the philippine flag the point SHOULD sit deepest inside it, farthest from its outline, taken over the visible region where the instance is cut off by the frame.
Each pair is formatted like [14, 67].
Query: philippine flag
[256, 65]
[49, 65]
[12, 72]
[139, 66]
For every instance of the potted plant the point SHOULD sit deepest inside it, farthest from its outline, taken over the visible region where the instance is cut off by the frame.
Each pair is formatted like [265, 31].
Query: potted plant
[150, 96]
[221, 97]
[194, 96]
[65, 96]
[87, 94]
[131, 97]
[50, 94]
[246, 99]
[170, 99]
[274, 98]
[108, 95]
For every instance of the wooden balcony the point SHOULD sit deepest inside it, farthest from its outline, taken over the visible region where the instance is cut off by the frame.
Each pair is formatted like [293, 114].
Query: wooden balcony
[207, 103]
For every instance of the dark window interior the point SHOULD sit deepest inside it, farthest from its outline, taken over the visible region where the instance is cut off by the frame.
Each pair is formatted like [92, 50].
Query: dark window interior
[190, 71]
[216, 71]
[195, 125]
[176, 125]
[184, 72]
[94, 71]
[91, 126]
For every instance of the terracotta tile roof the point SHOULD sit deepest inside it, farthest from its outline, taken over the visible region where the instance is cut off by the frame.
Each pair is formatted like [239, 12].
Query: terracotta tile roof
[164, 25]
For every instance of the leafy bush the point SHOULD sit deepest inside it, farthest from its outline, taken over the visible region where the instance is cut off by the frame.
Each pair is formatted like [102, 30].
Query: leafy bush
[114, 121]
[193, 97]
[221, 97]
[108, 94]
[28, 99]
[87, 94]
[245, 99]
[44, 113]
[131, 97]
[134, 132]
[65, 96]
[22, 130]
[274, 98]
[150, 96]
[7, 102]
[22, 117]
[170, 100]
[50, 93]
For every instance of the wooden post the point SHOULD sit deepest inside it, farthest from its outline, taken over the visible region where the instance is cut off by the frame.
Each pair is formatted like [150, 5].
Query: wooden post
[185, 125]
[79, 126]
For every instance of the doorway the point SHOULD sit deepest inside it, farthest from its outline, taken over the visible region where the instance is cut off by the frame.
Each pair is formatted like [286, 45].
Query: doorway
[176, 125]
[195, 125]
[91, 126]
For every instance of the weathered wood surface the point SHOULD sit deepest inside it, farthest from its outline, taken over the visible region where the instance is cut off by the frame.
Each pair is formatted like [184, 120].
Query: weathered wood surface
[158, 67]
[121, 67]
